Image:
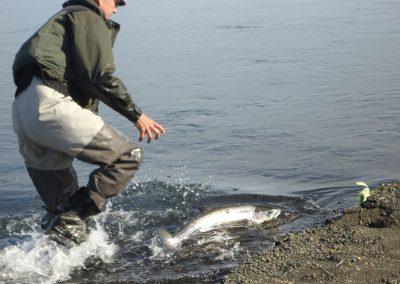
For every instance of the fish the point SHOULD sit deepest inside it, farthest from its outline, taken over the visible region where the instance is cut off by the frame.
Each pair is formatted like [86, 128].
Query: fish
[219, 218]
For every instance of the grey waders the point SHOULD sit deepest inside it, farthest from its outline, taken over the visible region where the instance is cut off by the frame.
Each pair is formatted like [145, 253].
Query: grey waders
[52, 130]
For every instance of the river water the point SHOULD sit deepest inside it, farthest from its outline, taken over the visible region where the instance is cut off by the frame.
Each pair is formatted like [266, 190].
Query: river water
[260, 98]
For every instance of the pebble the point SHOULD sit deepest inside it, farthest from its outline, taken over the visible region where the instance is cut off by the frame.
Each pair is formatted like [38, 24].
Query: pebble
[333, 258]
[355, 258]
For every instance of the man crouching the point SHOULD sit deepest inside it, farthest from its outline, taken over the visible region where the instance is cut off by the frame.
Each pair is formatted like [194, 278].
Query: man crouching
[61, 74]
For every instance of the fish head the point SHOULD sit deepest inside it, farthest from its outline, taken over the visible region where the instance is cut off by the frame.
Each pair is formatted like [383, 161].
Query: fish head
[262, 215]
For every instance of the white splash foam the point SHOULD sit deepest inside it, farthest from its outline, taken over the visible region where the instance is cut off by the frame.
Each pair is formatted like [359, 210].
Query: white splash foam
[138, 236]
[159, 252]
[40, 260]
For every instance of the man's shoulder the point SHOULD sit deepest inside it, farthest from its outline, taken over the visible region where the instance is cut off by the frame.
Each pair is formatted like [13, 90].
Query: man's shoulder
[80, 10]
[83, 15]
[75, 8]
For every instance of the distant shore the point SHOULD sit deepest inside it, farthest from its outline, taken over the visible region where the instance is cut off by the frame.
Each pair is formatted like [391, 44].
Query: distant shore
[362, 246]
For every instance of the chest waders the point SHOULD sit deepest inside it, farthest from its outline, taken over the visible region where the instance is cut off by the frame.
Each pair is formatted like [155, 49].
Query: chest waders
[52, 131]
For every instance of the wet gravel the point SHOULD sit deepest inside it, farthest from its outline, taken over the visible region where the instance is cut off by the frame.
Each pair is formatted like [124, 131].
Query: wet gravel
[361, 246]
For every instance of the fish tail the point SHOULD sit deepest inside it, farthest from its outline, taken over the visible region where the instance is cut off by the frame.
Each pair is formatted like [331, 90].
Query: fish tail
[166, 238]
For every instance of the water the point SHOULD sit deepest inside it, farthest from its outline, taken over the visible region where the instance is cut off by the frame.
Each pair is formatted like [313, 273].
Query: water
[296, 98]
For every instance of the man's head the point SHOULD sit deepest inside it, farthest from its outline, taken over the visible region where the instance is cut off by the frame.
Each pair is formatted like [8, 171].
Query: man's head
[109, 7]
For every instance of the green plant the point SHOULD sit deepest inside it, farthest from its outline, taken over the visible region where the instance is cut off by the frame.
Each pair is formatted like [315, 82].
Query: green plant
[364, 193]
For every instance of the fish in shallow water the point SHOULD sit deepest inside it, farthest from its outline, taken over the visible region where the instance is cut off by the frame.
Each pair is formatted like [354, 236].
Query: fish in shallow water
[219, 218]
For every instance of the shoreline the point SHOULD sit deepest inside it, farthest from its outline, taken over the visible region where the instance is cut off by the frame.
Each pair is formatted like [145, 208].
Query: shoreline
[360, 246]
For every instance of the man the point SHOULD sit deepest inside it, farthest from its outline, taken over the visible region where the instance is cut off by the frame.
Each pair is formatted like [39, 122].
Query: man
[61, 73]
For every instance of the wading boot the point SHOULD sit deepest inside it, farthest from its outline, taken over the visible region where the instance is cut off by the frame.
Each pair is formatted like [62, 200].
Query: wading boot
[65, 228]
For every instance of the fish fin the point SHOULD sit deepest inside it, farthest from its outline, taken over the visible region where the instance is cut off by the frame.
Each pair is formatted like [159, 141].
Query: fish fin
[166, 238]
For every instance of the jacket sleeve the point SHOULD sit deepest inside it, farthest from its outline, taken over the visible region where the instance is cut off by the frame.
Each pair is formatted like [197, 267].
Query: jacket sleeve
[93, 61]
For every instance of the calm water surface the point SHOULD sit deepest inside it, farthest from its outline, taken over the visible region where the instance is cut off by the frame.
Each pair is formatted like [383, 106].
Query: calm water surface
[297, 98]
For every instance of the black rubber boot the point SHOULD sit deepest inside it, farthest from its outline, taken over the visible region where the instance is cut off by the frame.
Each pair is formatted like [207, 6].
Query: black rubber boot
[65, 228]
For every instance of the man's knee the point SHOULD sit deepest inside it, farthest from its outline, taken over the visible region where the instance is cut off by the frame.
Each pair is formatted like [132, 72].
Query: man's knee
[137, 154]
[112, 179]
[118, 158]
[130, 160]
[108, 146]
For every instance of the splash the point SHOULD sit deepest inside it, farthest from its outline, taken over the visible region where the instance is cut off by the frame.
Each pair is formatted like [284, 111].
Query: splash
[37, 259]
[136, 253]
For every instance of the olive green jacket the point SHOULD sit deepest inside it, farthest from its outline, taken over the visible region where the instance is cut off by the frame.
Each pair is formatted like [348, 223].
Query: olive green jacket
[72, 53]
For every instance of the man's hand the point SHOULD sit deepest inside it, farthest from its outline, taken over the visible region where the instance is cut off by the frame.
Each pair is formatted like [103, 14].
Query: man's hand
[148, 127]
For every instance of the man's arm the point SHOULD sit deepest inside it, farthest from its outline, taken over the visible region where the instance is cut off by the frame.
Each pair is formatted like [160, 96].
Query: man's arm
[94, 61]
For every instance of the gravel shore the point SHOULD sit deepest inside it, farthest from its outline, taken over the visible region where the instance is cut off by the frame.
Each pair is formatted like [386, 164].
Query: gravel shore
[362, 246]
